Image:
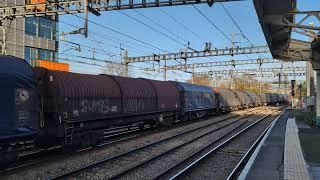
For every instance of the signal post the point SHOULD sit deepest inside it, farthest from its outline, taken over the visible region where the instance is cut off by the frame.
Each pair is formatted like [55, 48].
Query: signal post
[318, 98]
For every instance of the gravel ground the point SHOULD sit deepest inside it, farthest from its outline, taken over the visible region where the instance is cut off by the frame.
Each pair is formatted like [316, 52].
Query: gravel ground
[160, 165]
[124, 163]
[220, 164]
[57, 167]
[269, 161]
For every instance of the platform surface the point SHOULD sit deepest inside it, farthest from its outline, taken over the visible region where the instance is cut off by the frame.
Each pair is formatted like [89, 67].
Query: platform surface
[295, 167]
[281, 156]
[269, 161]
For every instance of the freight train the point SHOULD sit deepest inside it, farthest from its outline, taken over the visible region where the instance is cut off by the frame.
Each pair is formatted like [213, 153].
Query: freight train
[51, 107]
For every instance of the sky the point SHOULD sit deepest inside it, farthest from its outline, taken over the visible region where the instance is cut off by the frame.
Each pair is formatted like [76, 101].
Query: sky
[154, 25]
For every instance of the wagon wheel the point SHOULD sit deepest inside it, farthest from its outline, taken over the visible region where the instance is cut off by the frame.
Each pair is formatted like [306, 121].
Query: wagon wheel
[94, 139]
[85, 140]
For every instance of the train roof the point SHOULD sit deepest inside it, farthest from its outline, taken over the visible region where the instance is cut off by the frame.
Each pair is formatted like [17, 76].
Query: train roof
[13, 66]
[193, 87]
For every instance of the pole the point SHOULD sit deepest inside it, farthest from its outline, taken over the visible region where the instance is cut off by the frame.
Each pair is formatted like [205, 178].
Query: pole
[259, 86]
[260, 74]
[4, 39]
[310, 73]
[192, 74]
[124, 57]
[86, 18]
[318, 98]
[310, 79]
[300, 90]
[126, 69]
[165, 70]
[292, 91]
[231, 81]
[279, 82]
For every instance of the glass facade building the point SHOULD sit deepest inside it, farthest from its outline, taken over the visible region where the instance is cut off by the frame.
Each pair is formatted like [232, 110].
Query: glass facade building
[31, 38]
[38, 54]
[41, 27]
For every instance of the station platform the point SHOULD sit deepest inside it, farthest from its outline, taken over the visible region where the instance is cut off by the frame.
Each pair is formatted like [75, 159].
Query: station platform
[290, 150]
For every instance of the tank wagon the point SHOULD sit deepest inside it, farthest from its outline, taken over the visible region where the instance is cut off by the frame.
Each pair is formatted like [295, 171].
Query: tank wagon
[52, 107]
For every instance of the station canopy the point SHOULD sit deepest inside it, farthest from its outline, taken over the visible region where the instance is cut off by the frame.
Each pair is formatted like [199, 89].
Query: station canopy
[271, 14]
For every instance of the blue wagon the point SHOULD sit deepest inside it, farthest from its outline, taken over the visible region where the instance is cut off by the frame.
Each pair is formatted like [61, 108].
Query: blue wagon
[195, 100]
[19, 114]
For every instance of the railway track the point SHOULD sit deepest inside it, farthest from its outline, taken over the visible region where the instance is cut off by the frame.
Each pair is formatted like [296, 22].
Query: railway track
[218, 126]
[196, 162]
[239, 167]
[36, 156]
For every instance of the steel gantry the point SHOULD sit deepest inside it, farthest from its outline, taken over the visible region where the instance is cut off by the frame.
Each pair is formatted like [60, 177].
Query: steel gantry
[222, 63]
[258, 74]
[183, 55]
[61, 7]
[283, 74]
[262, 70]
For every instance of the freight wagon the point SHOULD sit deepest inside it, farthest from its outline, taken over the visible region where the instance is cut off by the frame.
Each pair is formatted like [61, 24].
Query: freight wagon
[229, 100]
[78, 107]
[195, 100]
[19, 110]
[53, 107]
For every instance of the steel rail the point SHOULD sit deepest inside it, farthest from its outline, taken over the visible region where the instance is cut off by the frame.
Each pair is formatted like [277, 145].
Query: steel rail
[248, 154]
[142, 147]
[39, 152]
[197, 54]
[115, 138]
[178, 147]
[180, 172]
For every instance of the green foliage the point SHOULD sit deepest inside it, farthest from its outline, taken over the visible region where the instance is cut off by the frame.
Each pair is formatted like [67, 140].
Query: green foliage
[308, 117]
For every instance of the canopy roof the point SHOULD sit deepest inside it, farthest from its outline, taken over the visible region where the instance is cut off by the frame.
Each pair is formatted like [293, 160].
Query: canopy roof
[271, 14]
